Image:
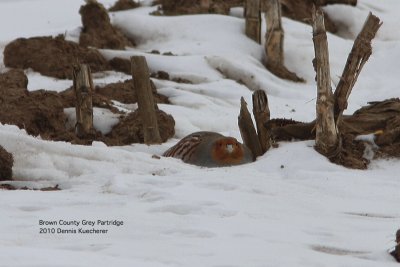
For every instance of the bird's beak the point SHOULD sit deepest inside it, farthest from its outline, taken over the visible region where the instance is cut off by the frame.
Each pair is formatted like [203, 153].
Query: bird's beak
[229, 148]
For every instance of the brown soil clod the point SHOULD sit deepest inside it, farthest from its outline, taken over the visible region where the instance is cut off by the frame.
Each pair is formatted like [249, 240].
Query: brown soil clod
[302, 11]
[396, 252]
[99, 101]
[50, 188]
[124, 5]
[130, 129]
[51, 56]
[299, 10]
[287, 130]
[7, 187]
[6, 163]
[350, 153]
[39, 113]
[14, 79]
[42, 112]
[97, 28]
[124, 65]
[379, 118]
[174, 7]
[124, 92]
[12, 187]
[121, 65]
[163, 75]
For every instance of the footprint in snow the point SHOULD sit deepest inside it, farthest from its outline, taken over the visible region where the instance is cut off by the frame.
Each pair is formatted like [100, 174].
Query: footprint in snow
[219, 186]
[191, 209]
[161, 183]
[222, 213]
[178, 209]
[32, 208]
[190, 233]
[336, 251]
[154, 196]
[372, 215]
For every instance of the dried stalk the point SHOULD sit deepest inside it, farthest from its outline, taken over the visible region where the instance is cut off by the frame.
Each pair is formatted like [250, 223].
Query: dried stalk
[358, 56]
[327, 140]
[262, 116]
[247, 130]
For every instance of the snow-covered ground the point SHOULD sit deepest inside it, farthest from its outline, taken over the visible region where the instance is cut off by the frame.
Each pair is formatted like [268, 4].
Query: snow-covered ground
[291, 207]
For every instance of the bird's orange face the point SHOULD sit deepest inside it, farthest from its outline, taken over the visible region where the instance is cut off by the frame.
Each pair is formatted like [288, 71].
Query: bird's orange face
[227, 151]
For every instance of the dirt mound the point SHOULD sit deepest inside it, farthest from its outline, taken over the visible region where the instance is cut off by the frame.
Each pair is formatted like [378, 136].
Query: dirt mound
[99, 101]
[97, 29]
[281, 130]
[163, 75]
[351, 154]
[230, 3]
[124, 65]
[302, 11]
[123, 5]
[389, 138]
[121, 65]
[12, 187]
[381, 118]
[13, 79]
[124, 92]
[42, 112]
[39, 112]
[130, 129]
[396, 252]
[6, 163]
[51, 56]
[180, 7]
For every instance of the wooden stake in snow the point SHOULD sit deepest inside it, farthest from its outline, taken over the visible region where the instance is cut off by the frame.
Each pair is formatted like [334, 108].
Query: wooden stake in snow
[253, 20]
[247, 130]
[262, 116]
[83, 86]
[274, 42]
[274, 36]
[327, 139]
[358, 56]
[146, 104]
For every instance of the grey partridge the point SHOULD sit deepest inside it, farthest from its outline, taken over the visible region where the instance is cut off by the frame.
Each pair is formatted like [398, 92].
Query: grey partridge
[210, 149]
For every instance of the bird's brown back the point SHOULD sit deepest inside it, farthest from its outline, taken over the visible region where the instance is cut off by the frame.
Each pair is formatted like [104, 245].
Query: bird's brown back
[185, 148]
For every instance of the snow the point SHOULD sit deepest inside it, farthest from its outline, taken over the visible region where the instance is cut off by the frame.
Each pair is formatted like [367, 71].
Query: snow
[291, 207]
[38, 81]
[103, 119]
